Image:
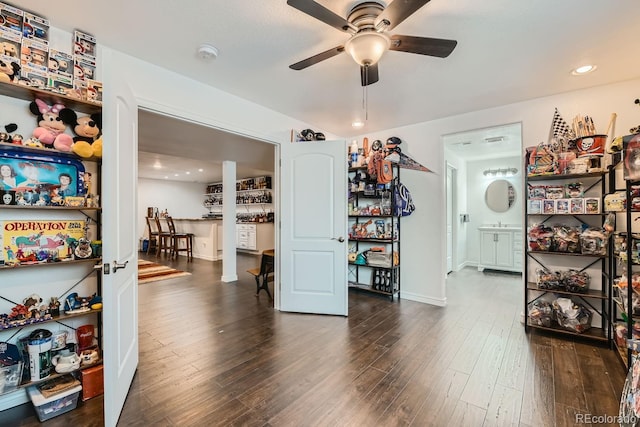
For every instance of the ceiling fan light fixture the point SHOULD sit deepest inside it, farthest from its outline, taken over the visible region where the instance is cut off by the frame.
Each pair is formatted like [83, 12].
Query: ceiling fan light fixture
[366, 48]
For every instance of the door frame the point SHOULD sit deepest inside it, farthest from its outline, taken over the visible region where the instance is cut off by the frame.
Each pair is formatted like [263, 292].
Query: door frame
[452, 214]
[196, 119]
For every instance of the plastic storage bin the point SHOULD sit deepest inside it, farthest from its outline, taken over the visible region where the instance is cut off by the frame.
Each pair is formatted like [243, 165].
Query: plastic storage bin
[55, 405]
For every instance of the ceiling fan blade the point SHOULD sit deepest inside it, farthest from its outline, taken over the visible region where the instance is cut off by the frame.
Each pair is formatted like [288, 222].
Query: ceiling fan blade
[423, 45]
[317, 58]
[398, 11]
[321, 13]
[369, 74]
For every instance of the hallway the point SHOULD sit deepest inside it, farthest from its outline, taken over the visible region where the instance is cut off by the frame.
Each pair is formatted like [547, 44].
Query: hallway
[212, 353]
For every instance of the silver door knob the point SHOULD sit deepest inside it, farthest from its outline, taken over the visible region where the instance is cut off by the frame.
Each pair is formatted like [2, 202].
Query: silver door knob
[117, 266]
[339, 239]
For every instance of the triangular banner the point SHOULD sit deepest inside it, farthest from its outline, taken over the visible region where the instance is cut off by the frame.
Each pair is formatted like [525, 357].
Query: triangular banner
[407, 162]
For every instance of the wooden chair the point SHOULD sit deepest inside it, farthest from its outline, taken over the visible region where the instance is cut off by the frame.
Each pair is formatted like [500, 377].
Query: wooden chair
[164, 237]
[152, 228]
[264, 274]
[178, 238]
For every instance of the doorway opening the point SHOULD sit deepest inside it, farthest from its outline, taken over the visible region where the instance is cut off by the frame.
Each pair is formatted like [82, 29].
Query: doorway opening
[475, 159]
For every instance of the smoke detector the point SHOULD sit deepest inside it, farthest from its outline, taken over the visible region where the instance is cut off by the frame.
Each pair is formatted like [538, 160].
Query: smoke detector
[207, 52]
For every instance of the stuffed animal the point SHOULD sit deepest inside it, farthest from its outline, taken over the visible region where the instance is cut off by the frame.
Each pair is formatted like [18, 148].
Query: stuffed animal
[88, 142]
[9, 71]
[51, 127]
[9, 129]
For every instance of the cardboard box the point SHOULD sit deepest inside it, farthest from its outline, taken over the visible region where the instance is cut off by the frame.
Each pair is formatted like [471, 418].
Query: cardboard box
[92, 380]
[94, 91]
[61, 84]
[84, 45]
[12, 63]
[10, 43]
[34, 54]
[34, 77]
[11, 18]
[83, 68]
[35, 27]
[60, 63]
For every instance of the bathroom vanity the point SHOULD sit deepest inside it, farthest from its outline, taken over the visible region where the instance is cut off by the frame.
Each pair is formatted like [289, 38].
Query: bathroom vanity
[500, 247]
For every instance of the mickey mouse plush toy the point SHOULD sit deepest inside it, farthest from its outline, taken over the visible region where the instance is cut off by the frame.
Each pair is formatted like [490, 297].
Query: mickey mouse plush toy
[88, 142]
[9, 71]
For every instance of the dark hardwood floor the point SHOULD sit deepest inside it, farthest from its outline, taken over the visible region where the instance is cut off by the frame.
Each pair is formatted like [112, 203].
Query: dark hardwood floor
[212, 353]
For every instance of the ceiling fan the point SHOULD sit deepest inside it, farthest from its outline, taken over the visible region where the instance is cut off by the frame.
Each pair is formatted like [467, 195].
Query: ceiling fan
[368, 23]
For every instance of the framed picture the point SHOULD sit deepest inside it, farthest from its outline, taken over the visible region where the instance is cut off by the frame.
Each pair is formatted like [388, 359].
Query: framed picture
[40, 179]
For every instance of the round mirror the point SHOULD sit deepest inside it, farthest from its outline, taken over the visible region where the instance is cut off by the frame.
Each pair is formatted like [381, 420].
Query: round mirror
[500, 195]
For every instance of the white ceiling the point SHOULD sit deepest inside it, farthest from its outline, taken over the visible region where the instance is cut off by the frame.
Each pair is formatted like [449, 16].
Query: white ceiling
[508, 51]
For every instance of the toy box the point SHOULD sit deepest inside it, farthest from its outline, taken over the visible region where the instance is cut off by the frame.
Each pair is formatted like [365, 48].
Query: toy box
[562, 206]
[9, 43]
[34, 54]
[94, 91]
[12, 63]
[84, 45]
[92, 382]
[61, 84]
[34, 77]
[60, 63]
[35, 27]
[83, 68]
[592, 205]
[11, 18]
[58, 404]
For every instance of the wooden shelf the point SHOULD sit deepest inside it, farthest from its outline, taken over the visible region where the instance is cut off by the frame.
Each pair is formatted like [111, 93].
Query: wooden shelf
[567, 176]
[95, 261]
[566, 254]
[54, 208]
[375, 266]
[592, 333]
[368, 288]
[60, 318]
[30, 94]
[591, 293]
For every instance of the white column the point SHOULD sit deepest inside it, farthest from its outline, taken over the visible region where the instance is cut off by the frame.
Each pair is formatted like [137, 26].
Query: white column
[229, 273]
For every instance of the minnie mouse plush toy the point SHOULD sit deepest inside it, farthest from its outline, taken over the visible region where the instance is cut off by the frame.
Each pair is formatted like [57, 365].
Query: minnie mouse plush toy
[50, 130]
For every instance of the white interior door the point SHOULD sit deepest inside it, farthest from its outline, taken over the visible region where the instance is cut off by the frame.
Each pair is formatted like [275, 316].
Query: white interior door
[313, 245]
[120, 288]
[450, 215]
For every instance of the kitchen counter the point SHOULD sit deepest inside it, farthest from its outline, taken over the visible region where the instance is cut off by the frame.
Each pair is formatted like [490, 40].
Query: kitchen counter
[207, 236]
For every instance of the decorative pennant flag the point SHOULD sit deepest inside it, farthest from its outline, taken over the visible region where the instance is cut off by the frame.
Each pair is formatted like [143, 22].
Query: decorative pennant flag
[406, 162]
[560, 130]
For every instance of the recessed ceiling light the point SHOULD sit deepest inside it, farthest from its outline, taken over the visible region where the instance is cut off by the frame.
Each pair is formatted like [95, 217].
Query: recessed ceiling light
[357, 124]
[188, 173]
[585, 69]
[166, 177]
[200, 170]
[176, 174]
[157, 165]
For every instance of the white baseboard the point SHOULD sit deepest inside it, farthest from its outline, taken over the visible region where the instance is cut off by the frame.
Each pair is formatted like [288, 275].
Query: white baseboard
[231, 278]
[440, 302]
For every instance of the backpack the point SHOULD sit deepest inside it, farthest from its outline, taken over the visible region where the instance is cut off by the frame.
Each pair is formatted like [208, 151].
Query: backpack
[402, 198]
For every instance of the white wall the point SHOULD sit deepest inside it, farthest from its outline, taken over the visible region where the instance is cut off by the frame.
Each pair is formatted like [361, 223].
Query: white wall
[181, 199]
[424, 232]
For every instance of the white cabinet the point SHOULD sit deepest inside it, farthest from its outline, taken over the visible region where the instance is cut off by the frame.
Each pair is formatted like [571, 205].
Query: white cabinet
[255, 237]
[500, 248]
[246, 236]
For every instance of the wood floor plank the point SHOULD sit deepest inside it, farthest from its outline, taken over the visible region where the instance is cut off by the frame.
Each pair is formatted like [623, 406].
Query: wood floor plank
[238, 362]
[504, 408]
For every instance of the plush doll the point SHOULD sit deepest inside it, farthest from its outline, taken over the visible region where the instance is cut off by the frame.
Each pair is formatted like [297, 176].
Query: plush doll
[88, 142]
[9, 71]
[50, 130]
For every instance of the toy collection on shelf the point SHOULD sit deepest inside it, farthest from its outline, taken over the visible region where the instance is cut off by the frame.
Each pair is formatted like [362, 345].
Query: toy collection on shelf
[27, 59]
[573, 151]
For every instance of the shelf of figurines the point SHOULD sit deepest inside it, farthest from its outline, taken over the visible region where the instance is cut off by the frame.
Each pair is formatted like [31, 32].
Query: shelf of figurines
[373, 240]
[578, 254]
[375, 266]
[30, 94]
[5, 323]
[49, 262]
[52, 207]
[9, 146]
